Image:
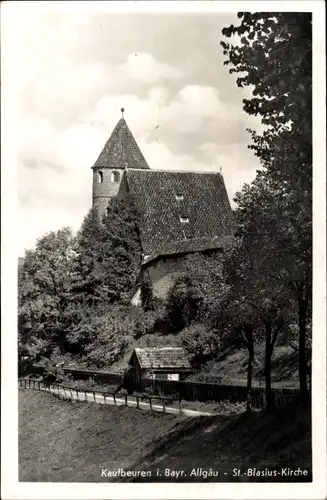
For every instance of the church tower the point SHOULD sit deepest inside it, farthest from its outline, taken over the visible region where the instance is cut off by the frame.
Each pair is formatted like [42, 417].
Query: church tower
[119, 153]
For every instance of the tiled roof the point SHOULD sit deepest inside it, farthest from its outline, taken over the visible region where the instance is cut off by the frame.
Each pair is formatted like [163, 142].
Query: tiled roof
[166, 198]
[162, 357]
[188, 246]
[121, 150]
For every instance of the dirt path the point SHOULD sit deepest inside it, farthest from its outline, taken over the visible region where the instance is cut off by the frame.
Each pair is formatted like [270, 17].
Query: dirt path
[120, 401]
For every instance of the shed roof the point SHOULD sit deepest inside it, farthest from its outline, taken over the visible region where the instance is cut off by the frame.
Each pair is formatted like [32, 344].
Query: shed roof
[161, 357]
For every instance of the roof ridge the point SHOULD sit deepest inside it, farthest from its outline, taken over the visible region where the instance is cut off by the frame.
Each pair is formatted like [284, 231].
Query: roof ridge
[176, 171]
[161, 348]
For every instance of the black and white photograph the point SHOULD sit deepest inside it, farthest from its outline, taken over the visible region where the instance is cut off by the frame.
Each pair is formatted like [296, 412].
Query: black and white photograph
[167, 241]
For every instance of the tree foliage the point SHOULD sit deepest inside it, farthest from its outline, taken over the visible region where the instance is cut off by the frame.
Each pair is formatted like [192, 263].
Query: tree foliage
[201, 343]
[43, 292]
[109, 336]
[70, 288]
[273, 57]
[108, 255]
[184, 302]
[121, 250]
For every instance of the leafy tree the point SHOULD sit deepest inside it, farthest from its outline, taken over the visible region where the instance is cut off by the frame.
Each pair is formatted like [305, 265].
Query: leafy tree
[87, 273]
[256, 270]
[274, 58]
[43, 294]
[242, 319]
[206, 271]
[108, 255]
[121, 249]
[269, 220]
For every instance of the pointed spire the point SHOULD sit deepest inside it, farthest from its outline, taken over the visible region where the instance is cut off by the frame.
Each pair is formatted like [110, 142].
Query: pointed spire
[121, 149]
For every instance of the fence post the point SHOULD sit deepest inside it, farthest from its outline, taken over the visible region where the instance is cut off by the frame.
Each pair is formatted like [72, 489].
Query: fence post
[94, 395]
[164, 405]
[137, 402]
[104, 397]
[126, 400]
[85, 397]
[180, 405]
[150, 399]
[114, 395]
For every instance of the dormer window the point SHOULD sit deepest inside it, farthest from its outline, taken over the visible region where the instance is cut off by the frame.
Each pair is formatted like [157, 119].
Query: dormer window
[115, 176]
[184, 220]
[99, 177]
[179, 197]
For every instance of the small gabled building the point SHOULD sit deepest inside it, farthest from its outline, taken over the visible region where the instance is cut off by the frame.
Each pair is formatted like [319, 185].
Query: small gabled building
[159, 363]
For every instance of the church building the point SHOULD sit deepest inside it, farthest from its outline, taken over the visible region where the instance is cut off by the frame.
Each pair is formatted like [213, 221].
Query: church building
[182, 212]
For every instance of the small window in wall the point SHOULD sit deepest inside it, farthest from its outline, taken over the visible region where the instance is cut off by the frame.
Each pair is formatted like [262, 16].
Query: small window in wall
[184, 220]
[100, 177]
[160, 376]
[179, 197]
[115, 176]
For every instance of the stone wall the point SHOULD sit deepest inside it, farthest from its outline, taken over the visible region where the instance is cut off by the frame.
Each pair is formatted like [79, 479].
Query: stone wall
[164, 272]
[103, 191]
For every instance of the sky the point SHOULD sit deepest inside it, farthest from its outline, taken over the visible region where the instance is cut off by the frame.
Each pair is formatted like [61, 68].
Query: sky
[75, 71]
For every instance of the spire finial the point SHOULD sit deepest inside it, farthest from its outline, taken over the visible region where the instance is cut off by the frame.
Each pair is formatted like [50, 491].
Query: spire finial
[122, 112]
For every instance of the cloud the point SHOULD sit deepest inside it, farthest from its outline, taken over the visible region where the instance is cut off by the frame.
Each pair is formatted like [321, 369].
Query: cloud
[75, 72]
[143, 67]
[56, 160]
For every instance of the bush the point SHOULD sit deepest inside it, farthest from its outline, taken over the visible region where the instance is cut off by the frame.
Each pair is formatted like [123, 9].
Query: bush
[144, 325]
[201, 343]
[184, 302]
[110, 337]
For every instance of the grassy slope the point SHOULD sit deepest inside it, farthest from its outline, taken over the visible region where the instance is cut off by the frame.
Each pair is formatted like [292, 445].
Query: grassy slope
[232, 367]
[68, 441]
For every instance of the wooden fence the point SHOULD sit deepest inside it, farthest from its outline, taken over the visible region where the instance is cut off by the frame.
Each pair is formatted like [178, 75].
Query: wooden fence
[203, 391]
[189, 391]
[118, 399]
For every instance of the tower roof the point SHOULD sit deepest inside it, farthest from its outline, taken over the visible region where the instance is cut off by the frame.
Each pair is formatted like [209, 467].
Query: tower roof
[121, 150]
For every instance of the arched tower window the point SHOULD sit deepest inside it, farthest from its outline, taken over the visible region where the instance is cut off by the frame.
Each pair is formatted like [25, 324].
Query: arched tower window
[115, 176]
[100, 177]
